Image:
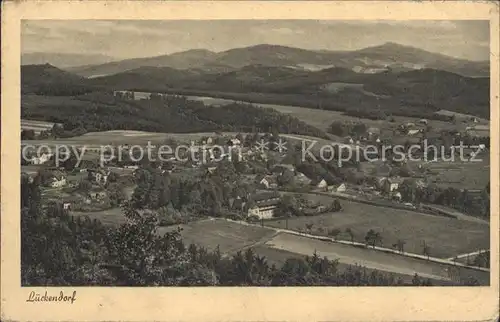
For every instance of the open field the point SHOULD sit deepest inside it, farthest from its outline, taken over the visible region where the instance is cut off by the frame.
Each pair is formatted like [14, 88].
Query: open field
[117, 137]
[229, 236]
[112, 217]
[446, 237]
[463, 116]
[460, 175]
[457, 174]
[122, 137]
[37, 126]
[371, 259]
[31, 169]
[323, 118]
[317, 117]
[279, 256]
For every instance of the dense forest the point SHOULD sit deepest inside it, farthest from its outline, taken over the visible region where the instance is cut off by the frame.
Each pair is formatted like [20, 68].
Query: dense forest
[100, 111]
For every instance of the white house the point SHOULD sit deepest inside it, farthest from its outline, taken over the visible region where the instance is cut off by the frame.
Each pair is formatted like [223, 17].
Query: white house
[264, 205]
[66, 206]
[321, 184]
[341, 188]
[262, 212]
[234, 142]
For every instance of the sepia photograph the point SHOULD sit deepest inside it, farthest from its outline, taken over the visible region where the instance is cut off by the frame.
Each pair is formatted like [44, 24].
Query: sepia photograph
[153, 154]
[265, 153]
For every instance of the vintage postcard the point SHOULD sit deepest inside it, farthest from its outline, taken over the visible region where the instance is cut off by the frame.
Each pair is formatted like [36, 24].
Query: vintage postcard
[250, 161]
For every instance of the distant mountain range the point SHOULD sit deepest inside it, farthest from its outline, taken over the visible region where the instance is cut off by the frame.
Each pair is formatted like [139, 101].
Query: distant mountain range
[63, 60]
[368, 60]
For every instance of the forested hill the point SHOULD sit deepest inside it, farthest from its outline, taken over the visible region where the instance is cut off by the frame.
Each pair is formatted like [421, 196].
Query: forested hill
[102, 112]
[417, 93]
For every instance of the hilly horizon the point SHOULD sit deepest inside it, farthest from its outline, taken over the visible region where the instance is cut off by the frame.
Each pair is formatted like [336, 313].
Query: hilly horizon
[368, 60]
[335, 88]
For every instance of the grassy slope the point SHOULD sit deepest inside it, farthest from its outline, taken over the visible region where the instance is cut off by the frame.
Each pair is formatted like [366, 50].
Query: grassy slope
[446, 237]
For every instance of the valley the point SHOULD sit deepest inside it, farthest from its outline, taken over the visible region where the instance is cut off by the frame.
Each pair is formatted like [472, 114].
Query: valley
[240, 204]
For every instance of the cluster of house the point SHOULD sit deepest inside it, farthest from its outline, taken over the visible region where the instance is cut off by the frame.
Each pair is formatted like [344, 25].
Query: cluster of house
[205, 151]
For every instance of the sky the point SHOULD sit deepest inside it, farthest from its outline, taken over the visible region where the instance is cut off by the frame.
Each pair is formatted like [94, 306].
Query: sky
[122, 39]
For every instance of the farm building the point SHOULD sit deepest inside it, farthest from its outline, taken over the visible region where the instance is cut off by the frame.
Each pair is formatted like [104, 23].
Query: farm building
[391, 184]
[337, 188]
[264, 205]
[233, 142]
[319, 183]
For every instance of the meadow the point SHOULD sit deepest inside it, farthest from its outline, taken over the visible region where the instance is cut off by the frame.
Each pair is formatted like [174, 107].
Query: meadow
[112, 217]
[460, 174]
[323, 118]
[228, 236]
[36, 126]
[445, 237]
[279, 256]
[349, 255]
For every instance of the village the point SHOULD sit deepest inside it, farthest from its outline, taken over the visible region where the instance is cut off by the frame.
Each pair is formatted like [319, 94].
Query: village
[93, 187]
